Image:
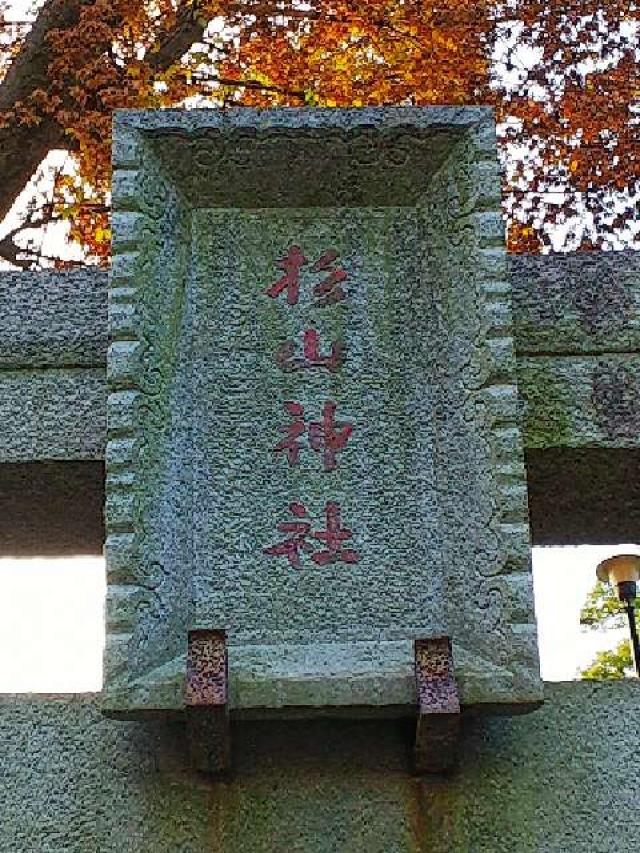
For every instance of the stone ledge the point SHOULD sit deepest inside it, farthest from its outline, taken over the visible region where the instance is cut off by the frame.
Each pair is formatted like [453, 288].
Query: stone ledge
[356, 679]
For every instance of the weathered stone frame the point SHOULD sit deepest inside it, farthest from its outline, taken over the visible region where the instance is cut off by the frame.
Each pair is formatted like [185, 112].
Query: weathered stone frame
[482, 361]
[143, 608]
[149, 219]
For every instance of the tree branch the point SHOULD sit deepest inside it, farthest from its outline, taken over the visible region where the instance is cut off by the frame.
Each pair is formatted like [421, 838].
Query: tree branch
[9, 249]
[23, 147]
[249, 83]
[189, 29]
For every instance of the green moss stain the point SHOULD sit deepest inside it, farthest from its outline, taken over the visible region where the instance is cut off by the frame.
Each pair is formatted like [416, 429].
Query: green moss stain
[547, 406]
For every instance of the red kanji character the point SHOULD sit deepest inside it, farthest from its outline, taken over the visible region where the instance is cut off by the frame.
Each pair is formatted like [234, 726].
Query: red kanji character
[333, 537]
[297, 542]
[292, 263]
[329, 291]
[286, 359]
[312, 357]
[329, 436]
[299, 533]
[326, 436]
[293, 431]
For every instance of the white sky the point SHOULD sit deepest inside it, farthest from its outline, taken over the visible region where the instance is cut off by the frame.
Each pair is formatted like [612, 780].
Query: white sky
[51, 625]
[52, 622]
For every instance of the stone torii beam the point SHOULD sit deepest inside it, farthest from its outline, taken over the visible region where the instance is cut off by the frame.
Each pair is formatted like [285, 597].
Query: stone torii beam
[577, 335]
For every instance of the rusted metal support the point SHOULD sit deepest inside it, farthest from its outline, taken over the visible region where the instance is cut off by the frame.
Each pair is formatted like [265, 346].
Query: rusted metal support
[206, 701]
[438, 706]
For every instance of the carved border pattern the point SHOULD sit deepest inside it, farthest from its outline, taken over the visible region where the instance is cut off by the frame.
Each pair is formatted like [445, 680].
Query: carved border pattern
[509, 587]
[123, 368]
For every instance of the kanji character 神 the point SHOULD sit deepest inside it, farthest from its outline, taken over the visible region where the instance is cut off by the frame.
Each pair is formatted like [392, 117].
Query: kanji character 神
[327, 436]
[294, 430]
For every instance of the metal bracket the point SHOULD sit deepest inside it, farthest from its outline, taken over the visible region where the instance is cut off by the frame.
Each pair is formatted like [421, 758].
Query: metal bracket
[438, 706]
[206, 701]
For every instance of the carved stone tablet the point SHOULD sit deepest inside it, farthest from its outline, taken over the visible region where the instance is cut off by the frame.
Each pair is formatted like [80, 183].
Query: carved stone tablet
[314, 443]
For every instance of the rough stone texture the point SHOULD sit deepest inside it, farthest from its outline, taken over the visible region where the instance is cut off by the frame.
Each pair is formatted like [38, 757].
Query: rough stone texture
[585, 303]
[52, 414]
[410, 201]
[576, 331]
[53, 319]
[561, 780]
[59, 320]
[579, 304]
[576, 497]
[567, 401]
[580, 401]
[385, 390]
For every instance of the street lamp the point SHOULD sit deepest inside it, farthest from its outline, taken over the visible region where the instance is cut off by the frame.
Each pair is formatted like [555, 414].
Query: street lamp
[623, 572]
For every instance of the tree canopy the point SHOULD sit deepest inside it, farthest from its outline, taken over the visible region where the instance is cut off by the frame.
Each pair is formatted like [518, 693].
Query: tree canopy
[602, 610]
[562, 76]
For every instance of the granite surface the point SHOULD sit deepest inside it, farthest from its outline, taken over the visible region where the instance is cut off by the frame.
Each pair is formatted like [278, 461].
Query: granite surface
[577, 380]
[575, 331]
[51, 318]
[580, 401]
[52, 414]
[561, 780]
[581, 303]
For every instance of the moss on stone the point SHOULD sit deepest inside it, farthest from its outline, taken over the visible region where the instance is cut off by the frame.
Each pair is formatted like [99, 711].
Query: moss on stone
[547, 406]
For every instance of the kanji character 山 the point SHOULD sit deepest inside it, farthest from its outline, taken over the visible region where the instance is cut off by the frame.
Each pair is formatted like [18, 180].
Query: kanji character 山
[311, 355]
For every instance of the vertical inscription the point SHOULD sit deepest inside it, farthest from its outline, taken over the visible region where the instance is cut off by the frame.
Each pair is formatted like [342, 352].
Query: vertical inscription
[326, 435]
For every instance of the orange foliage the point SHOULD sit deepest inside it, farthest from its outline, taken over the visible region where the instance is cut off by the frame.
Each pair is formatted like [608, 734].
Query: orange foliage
[575, 111]
[573, 120]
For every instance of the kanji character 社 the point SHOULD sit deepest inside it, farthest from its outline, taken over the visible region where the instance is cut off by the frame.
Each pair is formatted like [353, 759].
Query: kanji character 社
[297, 541]
[299, 532]
[333, 537]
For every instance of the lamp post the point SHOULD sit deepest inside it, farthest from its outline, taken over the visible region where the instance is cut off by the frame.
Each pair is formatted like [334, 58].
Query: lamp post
[623, 572]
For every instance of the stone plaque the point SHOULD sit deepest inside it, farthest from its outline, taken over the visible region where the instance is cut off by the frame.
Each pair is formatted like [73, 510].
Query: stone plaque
[314, 443]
